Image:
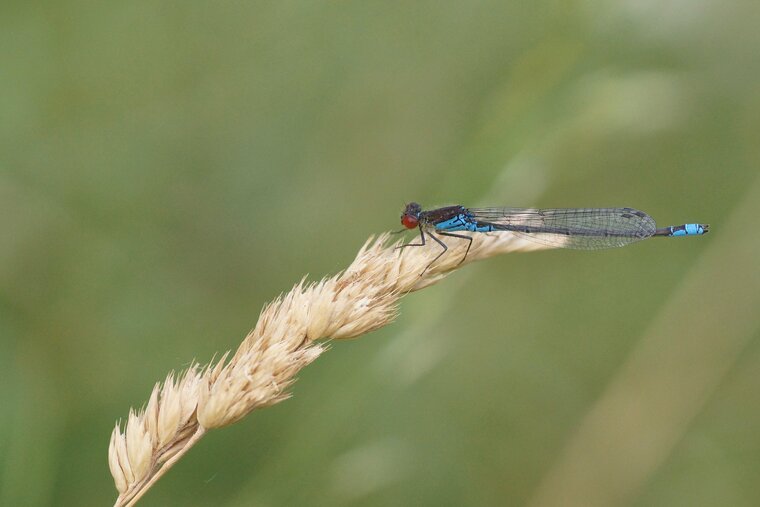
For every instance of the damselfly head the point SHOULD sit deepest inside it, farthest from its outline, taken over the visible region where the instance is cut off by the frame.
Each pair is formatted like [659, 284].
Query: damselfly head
[411, 216]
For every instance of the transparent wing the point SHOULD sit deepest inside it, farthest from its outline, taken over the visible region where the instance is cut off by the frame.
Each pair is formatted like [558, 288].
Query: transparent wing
[581, 228]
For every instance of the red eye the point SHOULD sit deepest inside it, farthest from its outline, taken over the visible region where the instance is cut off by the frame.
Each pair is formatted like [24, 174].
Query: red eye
[409, 221]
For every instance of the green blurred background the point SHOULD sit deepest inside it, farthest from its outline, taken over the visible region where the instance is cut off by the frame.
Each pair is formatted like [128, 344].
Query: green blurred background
[166, 168]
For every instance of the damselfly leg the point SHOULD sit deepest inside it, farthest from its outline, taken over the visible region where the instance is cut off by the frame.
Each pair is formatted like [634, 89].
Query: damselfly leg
[468, 238]
[440, 242]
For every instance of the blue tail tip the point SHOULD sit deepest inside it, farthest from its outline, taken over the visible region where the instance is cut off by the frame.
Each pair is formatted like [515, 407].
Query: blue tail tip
[691, 230]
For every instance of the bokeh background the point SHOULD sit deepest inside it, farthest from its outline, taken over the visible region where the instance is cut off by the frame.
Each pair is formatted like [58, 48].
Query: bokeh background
[167, 168]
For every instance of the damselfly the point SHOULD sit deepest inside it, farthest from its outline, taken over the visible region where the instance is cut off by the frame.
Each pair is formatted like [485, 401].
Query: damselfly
[581, 228]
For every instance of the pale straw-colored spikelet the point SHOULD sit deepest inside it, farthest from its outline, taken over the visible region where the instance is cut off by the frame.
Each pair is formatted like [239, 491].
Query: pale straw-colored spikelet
[359, 300]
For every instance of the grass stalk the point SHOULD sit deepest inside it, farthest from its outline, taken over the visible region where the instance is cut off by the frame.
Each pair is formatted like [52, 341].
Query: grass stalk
[287, 337]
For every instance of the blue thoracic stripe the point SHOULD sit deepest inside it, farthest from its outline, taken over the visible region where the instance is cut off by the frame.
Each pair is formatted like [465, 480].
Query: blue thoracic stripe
[456, 223]
[462, 222]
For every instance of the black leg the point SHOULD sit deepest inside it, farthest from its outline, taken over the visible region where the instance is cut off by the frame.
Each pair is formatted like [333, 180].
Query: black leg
[422, 243]
[440, 243]
[468, 238]
[443, 245]
[422, 240]
[439, 255]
